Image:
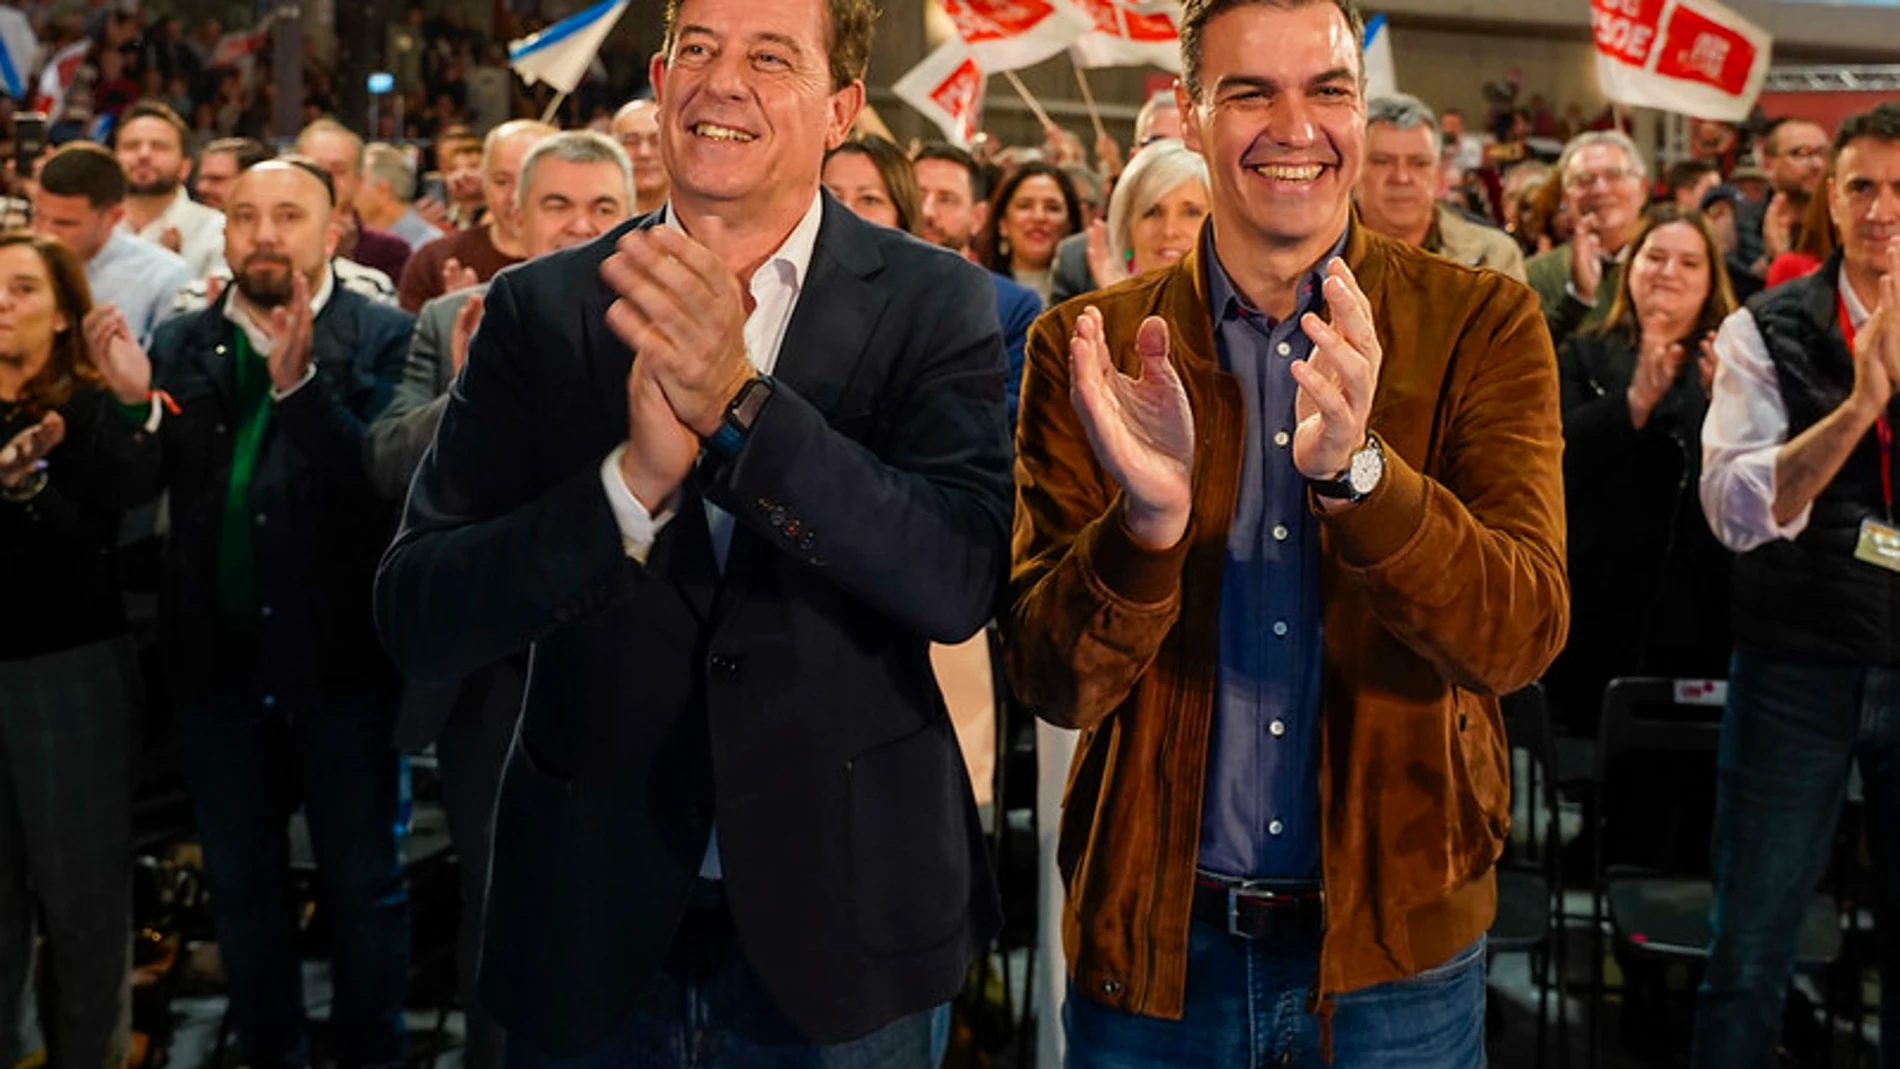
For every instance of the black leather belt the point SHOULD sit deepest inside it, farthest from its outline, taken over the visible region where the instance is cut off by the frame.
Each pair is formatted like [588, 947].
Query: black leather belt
[1254, 911]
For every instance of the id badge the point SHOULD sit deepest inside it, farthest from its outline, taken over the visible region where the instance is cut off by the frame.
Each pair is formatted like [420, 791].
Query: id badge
[1879, 544]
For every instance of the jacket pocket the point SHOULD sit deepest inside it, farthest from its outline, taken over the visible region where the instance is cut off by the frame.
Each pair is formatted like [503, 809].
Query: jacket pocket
[910, 862]
[1487, 777]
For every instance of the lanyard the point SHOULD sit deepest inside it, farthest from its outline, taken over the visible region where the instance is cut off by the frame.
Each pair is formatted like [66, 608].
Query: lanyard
[1883, 427]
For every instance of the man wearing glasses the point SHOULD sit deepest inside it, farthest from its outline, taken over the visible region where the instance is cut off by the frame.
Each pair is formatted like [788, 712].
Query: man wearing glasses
[1794, 153]
[1605, 180]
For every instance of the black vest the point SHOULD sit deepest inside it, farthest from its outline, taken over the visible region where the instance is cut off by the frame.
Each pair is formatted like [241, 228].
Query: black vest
[1809, 599]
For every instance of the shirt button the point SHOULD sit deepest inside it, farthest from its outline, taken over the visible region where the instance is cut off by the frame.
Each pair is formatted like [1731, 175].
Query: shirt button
[1275, 828]
[1279, 532]
[1279, 628]
[1285, 349]
[1277, 728]
[1281, 439]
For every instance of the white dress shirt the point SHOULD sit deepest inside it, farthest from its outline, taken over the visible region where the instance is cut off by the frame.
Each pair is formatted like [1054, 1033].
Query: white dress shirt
[200, 232]
[1742, 437]
[775, 287]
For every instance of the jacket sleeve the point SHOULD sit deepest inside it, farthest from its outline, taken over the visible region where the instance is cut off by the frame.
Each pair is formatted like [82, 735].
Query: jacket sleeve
[1468, 569]
[397, 438]
[1089, 607]
[329, 423]
[490, 557]
[918, 530]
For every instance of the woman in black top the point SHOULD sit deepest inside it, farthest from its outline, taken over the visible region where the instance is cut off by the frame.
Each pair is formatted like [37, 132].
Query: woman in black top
[67, 676]
[1649, 583]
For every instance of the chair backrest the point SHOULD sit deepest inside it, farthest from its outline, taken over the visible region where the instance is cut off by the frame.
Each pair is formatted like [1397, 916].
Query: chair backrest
[1526, 715]
[1656, 773]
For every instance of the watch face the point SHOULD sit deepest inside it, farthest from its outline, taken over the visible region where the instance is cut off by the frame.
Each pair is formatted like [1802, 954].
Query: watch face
[1368, 465]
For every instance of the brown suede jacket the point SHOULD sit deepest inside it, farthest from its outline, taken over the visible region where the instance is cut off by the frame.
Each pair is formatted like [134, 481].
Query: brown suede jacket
[1442, 589]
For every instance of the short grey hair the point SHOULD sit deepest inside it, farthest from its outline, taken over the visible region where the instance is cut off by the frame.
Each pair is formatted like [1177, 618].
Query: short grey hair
[1401, 110]
[575, 146]
[1154, 173]
[387, 164]
[1590, 138]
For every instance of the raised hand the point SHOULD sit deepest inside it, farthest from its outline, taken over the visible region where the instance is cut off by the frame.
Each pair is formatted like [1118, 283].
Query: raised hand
[1657, 365]
[291, 334]
[1103, 267]
[120, 360]
[1586, 259]
[1706, 363]
[172, 239]
[19, 456]
[683, 312]
[467, 318]
[1778, 225]
[1338, 381]
[660, 449]
[456, 277]
[1141, 430]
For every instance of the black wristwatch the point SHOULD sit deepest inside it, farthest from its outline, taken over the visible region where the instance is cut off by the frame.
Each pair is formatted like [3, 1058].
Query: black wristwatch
[741, 413]
[1363, 472]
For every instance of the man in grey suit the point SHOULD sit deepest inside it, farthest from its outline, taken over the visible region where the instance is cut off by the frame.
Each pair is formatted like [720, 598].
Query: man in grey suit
[572, 188]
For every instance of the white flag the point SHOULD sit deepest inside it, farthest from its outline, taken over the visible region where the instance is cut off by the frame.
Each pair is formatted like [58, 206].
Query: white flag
[560, 54]
[58, 76]
[1382, 76]
[18, 42]
[947, 87]
[1130, 33]
[1007, 35]
[1692, 57]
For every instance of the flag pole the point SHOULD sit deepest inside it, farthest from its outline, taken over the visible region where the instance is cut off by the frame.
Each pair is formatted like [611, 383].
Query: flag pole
[1088, 97]
[554, 106]
[1029, 99]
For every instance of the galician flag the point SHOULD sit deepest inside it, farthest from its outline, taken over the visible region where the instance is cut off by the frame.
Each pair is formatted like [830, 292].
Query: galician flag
[560, 54]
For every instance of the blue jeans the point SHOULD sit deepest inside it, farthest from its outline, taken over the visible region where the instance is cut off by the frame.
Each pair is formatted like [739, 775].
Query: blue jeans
[708, 1010]
[1246, 1008]
[1788, 737]
[246, 771]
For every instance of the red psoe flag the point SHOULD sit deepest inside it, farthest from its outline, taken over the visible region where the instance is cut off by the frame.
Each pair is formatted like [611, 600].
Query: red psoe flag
[1129, 33]
[1693, 57]
[947, 87]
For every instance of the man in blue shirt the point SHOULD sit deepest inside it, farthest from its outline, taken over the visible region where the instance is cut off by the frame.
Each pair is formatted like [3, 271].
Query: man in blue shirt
[80, 200]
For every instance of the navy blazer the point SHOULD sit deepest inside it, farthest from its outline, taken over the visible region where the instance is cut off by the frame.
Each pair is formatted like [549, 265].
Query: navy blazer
[872, 503]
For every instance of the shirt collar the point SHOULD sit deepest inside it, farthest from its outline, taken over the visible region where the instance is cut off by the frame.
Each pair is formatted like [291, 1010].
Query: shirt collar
[1857, 312]
[234, 311]
[1226, 302]
[791, 261]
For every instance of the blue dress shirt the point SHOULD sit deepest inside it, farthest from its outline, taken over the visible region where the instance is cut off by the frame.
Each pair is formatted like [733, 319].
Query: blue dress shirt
[1260, 813]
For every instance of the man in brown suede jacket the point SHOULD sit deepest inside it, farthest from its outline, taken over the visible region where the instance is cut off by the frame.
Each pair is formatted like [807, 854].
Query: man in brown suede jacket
[1290, 518]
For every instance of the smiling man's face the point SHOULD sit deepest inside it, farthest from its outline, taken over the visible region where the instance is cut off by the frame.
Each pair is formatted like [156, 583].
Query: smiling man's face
[1281, 120]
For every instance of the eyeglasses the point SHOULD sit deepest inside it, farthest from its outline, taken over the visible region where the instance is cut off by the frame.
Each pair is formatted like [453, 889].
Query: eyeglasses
[1804, 152]
[1608, 177]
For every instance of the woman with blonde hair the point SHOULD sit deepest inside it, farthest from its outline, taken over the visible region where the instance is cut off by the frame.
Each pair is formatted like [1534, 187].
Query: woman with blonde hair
[1154, 215]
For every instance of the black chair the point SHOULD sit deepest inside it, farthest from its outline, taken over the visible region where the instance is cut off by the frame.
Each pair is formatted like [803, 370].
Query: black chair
[1530, 881]
[1658, 909]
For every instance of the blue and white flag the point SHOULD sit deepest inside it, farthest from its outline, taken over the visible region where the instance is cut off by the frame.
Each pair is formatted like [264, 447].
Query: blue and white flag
[17, 45]
[1382, 77]
[560, 54]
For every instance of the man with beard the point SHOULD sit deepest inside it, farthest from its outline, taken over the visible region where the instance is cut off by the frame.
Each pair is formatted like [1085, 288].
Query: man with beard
[1605, 184]
[574, 187]
[254, 412]
[80, 199]
[150, 144]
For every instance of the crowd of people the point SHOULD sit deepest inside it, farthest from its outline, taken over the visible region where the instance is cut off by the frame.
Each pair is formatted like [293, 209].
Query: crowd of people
[640, 473]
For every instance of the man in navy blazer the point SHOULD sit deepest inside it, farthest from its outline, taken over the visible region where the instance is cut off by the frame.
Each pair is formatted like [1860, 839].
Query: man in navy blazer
[735, 822]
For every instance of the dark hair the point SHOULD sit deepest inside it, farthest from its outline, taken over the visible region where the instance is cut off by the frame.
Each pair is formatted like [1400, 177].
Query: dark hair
[989, 249]
[71, 365]
[1773, 127]
[1715, 307]
[948, 153]
[894, 169]
[83, 169]
[1196, 14]
[1880, 123]
[1684, 174]
[848, 28]
[248, 151]
[154, 109]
